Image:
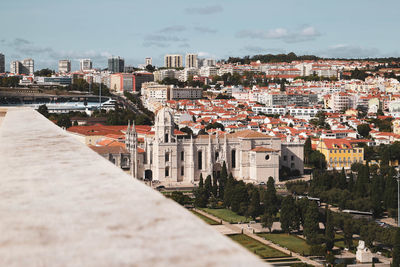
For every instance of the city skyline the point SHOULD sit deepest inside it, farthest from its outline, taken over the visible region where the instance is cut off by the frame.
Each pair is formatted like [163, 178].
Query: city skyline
[308, 27]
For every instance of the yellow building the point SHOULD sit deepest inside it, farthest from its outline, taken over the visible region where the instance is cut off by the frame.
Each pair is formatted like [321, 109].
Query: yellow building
[340, 153]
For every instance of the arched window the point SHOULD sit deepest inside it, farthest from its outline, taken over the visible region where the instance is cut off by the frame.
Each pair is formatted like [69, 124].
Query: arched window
[166, 156]
[166, 138]
[182, 171]
[199, 160]
[216, 155]
[166, 171]
[233, 158]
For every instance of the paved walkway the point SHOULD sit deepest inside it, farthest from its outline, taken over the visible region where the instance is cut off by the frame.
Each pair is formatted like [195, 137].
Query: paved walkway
[249, 232]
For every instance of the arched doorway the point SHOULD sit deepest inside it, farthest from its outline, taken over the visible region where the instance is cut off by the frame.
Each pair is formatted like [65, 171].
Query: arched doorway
[148, 175]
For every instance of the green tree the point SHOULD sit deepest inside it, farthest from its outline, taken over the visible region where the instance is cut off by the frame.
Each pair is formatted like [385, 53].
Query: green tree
[223, 178]
[215, 186]
[43, 110]
[348, 232]
[64, 121]
[240, 198]
[270, 198]
[307, 150]
[228, 191]
[317, 159]
[255, 207]
[208, 185]
[363, 130]
[311, 223]
[287, 216]
[329, 231]
[396, 249]
[201, 182]
[267, 220]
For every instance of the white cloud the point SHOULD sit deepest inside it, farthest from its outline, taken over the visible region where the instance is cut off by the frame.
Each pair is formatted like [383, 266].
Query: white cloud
[305, 33]
[349, 51]
[206, 10]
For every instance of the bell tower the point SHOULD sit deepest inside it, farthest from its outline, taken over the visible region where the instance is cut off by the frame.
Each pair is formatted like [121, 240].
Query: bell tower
[164, 126]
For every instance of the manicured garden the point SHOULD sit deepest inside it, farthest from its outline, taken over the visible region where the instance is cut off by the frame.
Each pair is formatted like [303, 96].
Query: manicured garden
[227, 215]
[204, 218]
[292, 242]
[257, 247]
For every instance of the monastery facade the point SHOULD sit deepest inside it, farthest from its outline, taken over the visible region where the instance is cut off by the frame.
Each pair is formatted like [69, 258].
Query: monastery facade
[250, 156]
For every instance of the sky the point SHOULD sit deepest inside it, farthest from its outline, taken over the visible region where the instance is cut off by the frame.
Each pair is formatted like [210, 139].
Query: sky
[48, 30]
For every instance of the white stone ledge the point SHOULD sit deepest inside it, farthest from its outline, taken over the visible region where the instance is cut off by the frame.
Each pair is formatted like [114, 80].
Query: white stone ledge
[61, 204]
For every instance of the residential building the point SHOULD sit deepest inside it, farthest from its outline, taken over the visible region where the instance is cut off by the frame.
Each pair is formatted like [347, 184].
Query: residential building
[116, 64]
[148, 61]
[2, 63]
[160, 75]
[185, 93]
[27, 67]
[340, 153]
[64, 66]
[173, 61]
[85, 64]
[142, 77]
[59, 80]
[121, 82]
[191, 61]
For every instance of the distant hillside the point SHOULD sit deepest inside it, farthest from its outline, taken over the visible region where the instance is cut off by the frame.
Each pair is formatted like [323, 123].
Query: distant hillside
[270, 58]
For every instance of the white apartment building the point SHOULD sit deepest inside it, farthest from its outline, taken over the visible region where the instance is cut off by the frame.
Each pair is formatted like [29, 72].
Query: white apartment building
[186, 93]
[149, 61]
[85, 64]
[160, 75]
[208, 71]
[173, 61]
[27, 67]
[64, 66]
[341, 101]
[187, 72]
[191, 61]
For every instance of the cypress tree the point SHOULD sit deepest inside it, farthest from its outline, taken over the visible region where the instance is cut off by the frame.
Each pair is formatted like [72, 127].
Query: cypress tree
[311, 223]
[270, 198]
[342, 180]
[286, 215]
[201, 183]
[307, 150]
[208, 186]
[255, 207]
[396, 249]
[329, 231]
[223, 178]
[228, 191]
[215, 186]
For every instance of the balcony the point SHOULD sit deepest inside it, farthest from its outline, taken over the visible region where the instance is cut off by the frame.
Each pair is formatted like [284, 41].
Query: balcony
[62, 204]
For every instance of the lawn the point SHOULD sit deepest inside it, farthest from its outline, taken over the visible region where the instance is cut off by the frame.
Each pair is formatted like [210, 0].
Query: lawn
[257, 247]
[204, 218]
[227, 215]
[292, 242]
[339, 241]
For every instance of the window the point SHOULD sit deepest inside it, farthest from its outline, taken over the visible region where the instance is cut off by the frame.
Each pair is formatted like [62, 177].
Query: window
[166, 138]
[166, 156]
[216, 155]
[182, 171]
[291, 158]
[233, 158]
[182, 155]
[166, 171]
[199, 160]
[267, 157]
[292, 165]
[285, 158]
